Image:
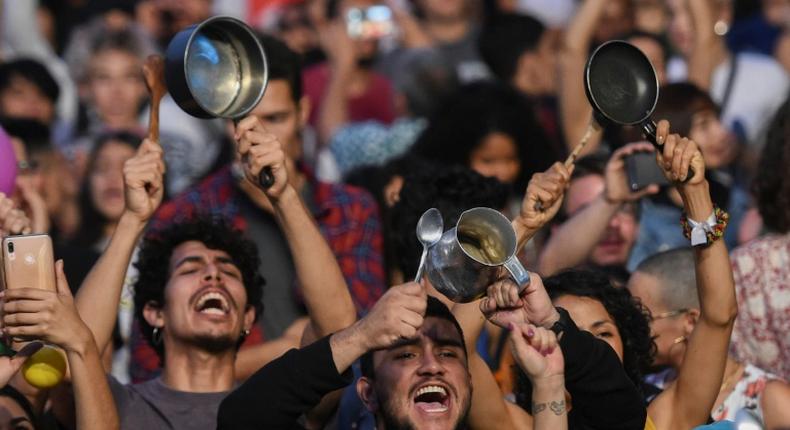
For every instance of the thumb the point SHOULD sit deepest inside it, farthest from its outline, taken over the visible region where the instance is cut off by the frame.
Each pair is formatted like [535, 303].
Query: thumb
[60, 279]
[649, 190]
[26, 352]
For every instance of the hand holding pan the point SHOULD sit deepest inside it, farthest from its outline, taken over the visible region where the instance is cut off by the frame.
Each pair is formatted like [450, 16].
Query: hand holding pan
[218, 69]
[622, 88]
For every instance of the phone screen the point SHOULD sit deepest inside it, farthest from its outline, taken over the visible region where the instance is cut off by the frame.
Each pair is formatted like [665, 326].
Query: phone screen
[374, 22]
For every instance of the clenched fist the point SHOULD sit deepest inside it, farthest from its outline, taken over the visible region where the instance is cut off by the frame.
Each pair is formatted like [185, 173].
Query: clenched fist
[259, 149]
[143, 177]
[398, 314]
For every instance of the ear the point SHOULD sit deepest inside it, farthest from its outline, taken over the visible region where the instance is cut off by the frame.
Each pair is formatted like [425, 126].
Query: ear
[153, 315]
[305, 108]
[367, 394]
[690, 321]
[249, 317]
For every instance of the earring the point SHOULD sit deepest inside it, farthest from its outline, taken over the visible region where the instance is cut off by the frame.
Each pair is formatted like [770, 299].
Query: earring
[156, 336]
[244, 334]
[679, 339]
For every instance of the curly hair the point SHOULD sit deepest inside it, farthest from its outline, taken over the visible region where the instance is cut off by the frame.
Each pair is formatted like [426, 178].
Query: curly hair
[630, 316]
[460, 125]
[772, 185]
[156, 251]
[452, 190]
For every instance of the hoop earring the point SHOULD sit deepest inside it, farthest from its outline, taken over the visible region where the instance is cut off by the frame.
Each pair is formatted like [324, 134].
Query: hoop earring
[156, 336]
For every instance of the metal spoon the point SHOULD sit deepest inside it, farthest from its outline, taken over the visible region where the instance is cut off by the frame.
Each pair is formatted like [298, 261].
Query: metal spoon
[429, 230]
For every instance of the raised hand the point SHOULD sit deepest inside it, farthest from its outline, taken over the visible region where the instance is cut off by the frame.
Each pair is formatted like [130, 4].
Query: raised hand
[616, 177]
[257, 148]
[504, 306]
[536, 351]
[36, 314]
[144, 180]
[677, 155]
[398, 314]
[12, 220]
[544, 196]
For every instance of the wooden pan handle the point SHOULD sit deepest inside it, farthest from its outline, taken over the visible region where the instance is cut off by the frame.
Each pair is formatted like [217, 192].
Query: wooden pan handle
[154, 72]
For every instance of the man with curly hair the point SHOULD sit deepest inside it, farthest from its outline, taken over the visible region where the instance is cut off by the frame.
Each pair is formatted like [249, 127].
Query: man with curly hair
[199, 290]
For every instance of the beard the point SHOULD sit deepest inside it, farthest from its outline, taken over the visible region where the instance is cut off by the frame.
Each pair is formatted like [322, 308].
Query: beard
[392, 420]
[215, 343]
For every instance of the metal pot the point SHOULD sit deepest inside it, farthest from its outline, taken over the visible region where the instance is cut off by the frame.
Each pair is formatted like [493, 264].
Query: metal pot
[468, 257]
[216, 68]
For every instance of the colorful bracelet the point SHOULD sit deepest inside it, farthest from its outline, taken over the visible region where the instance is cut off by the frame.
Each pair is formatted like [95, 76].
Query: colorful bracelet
[705, 232]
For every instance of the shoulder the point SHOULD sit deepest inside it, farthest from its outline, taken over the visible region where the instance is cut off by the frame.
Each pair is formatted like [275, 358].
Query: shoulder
[757, 250]
[342, 195]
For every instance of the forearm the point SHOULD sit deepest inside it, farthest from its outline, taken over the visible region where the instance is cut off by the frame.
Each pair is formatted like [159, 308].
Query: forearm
[324, 289]
[488, 403]
[334, 107]
[98, 297]
[347, 346]
[548, 404]
[701, 62]
[573, 242]
[249, 360]
[715, 284]
[94, 405]
[574, 109]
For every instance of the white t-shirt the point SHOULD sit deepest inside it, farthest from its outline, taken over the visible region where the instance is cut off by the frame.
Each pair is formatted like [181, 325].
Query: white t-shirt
[760, 87]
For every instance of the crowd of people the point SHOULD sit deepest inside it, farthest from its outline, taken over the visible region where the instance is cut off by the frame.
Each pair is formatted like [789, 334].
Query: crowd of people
[190, 297]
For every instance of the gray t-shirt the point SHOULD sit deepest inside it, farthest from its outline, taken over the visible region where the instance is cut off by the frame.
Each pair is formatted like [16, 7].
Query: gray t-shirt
[152, 405]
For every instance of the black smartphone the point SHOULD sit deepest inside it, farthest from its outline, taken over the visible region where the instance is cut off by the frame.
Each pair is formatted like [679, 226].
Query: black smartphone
[643, 171]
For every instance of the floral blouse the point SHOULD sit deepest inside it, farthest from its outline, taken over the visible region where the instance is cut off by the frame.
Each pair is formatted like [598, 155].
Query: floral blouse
[747, 394]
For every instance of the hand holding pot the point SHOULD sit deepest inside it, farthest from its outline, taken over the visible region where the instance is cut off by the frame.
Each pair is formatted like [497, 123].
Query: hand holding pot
[258, 150]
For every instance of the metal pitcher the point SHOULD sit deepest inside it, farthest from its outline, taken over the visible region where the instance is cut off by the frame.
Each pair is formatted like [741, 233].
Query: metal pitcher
[468, 257]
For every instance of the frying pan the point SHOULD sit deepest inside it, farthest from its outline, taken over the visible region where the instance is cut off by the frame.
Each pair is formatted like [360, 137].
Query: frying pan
[217, 69]
[622, 88]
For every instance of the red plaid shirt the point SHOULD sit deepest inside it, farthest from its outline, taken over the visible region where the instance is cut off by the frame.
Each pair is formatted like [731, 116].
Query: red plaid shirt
[347, 217]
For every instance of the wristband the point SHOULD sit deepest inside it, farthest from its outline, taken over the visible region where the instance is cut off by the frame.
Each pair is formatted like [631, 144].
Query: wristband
[707, 231]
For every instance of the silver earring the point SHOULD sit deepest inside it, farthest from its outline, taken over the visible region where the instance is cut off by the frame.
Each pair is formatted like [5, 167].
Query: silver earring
[245, 333]
[156, 336]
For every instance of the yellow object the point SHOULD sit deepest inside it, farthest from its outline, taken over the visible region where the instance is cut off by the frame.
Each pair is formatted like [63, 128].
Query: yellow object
[45, 368]
[649, 424]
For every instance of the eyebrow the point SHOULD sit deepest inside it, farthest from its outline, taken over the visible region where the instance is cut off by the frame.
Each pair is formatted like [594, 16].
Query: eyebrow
[441, 341]
[196, 259]
[600, 323]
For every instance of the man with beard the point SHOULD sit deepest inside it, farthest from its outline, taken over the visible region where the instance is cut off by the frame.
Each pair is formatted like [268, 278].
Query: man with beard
[199, 290]
[413, 359]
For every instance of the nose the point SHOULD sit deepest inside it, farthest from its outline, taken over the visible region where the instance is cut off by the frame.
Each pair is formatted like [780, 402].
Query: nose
[211, 271]
[429, 365]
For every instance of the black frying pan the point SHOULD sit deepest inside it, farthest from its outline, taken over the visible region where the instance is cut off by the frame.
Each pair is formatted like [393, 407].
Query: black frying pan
[622, 88]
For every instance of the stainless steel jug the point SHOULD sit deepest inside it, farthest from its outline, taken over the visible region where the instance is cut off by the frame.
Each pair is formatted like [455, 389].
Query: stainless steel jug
[469, 257]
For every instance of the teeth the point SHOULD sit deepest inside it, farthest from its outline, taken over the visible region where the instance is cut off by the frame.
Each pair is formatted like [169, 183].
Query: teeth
[213, 296]
[431, 389]
[212, 311]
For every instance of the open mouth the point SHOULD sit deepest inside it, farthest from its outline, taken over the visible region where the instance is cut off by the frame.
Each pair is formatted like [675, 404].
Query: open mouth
[212, 303]
[432, 399]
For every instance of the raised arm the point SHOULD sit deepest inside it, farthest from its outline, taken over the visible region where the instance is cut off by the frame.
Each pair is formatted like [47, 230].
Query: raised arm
[541, 202]
[324, 289]
[700, 375]
[98, 297]
[288, 387]
[700, 62]
[572, 243]
[334, 108]
[52, 317]
[575, 111]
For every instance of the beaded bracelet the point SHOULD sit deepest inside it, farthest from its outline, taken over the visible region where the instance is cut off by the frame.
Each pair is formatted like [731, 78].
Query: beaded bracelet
[713, 227]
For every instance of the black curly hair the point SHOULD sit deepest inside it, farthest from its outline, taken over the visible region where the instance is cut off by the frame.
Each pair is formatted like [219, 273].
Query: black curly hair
[630, 316]
[157, 249]
[452, 190]
[476, 110]
[772, 185]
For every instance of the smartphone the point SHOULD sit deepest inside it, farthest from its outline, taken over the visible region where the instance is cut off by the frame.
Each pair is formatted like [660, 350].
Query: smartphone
[374, 22]
[643, 171]
[28, 262]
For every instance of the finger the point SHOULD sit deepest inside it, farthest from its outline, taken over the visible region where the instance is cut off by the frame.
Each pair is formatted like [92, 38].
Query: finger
[668, 152]
[23, 319]
[149, 146]
[25, 331]
[25, 293]
[412, 319]
[563, 171]
[649, 190]
[677, 157]
[271, 159]
[23, 306]
[411, 289]
[61, 283]
[686, 157]
[28, 350]
[487, 305]
[513, 298]
[662, 131]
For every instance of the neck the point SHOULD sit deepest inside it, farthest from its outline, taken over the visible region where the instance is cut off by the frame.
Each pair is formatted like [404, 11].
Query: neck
[190, 369]
[118, 122]
[447, 30]
[719, 53]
